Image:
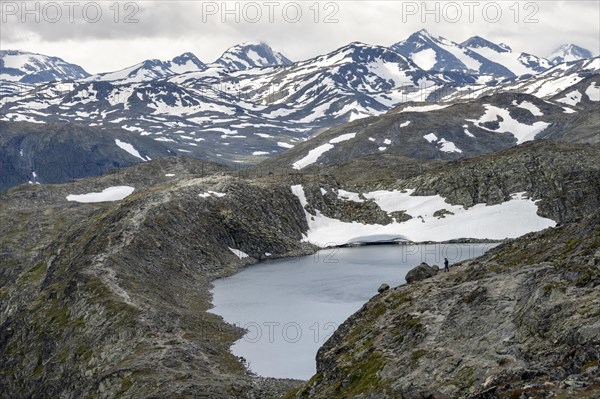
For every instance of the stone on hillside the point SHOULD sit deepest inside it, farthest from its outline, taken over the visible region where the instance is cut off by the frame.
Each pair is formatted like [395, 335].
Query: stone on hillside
[383, 287]
[490, 393]
[421, 272]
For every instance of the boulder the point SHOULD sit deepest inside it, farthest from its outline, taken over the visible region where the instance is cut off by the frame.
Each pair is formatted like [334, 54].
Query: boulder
[490, 393]
[383, 287]
[421, 272]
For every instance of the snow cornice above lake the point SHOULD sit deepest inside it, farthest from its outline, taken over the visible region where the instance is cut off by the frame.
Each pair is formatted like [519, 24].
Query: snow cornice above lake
[510, 219]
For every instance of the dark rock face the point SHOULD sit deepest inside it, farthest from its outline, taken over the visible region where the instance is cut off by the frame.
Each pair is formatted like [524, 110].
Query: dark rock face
[331, 205]
[421, 272]
[58, 153]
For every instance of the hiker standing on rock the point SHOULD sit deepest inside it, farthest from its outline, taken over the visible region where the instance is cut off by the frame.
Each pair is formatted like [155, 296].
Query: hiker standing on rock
[446, 263]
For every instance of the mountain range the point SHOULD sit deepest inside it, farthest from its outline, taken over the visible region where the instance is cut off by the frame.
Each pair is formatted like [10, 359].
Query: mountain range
[253, 102]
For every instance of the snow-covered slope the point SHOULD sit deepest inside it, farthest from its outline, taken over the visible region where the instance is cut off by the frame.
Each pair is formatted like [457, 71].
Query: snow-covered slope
[568, 53]
[219, 114]
[26, 67]
[251, 55]
[518, 63]
[475, 56]
[435, 53]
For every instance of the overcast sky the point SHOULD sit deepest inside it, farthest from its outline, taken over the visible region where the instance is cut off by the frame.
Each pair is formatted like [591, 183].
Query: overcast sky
[134, 31]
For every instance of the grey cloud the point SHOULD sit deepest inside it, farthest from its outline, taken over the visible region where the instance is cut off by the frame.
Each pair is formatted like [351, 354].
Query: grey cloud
[167, 26]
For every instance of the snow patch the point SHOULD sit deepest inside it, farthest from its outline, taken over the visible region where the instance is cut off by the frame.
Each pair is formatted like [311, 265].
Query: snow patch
[343, 137]
[315, 153]
[425, 59]
[129, 148]
[521, 131]
[448, 146]
[115, 193]
[593, 92]
[573, 98]
[238, 253]
[284, 145]
[312, 156]
[531, 107]
[350, 196]
[431, 137]
[211, 193]
[424, 108]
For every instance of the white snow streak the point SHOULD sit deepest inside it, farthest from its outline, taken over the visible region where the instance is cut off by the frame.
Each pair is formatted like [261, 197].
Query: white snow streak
[108, 194]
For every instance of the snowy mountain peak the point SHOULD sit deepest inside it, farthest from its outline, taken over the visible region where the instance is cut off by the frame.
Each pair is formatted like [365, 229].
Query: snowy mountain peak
[568, 53]
[422, 36]
[153, 69]
[480, 42]
[433, 53]
[424, 33]
[251, 55]
[186, 62]
[475, 56]
[187, 57]
[26, 67]
[359, 53]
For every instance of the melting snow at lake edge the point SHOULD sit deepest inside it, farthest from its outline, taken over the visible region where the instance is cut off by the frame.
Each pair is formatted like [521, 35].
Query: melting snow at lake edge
[291, 306]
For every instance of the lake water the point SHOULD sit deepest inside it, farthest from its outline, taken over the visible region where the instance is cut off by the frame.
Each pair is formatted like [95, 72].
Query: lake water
[291, 306]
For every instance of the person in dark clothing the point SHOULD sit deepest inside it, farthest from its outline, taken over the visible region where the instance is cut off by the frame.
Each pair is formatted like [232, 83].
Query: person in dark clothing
[446, 263]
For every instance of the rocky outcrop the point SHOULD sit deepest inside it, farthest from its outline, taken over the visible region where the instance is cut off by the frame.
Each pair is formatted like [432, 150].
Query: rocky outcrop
[522, 321]
[331, 204]
[564, 177]
[421, 272]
